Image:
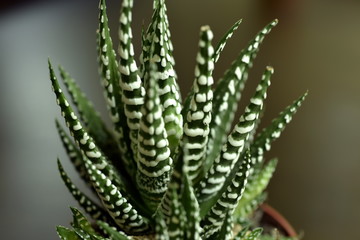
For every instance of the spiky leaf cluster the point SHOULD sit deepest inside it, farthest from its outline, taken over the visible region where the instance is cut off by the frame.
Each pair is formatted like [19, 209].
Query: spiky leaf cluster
[167, 169]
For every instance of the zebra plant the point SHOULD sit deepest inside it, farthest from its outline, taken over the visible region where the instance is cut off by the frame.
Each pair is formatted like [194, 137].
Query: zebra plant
[168, 169]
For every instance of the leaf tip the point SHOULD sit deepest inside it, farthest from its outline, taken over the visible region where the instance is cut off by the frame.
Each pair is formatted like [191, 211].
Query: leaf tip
[270, 69]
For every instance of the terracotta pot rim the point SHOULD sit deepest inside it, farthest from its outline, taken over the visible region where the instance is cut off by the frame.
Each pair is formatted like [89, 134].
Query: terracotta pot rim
[278, 220]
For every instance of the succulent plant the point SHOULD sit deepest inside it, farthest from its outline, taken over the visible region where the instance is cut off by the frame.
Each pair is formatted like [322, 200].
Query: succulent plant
[168, 169]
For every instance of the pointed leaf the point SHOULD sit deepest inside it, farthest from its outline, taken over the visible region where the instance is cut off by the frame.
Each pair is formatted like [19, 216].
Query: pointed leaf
[89, 116]
[66, 233]
[226, 204]
[147, 37]
[123, 213]
[242, 214]
[83, 228]
[113, 233]
[254, 234]
[245, 234]
[95, 211]
[227, 94]
[256, 185]
[154, 161]
[85, 142]
[159, 50]
[73, 152]
[223, 165]
[79, 221]
[198, 115]
[87, 236]
[241, 234]
[263, 141]
[111, 77]
[87, 145]
[130, 81]
[221, 45]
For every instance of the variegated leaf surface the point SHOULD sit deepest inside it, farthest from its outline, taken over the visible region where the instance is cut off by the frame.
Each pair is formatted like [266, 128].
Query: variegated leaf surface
[109, 70]
[198, 115]
[209, 188]
[228, 92]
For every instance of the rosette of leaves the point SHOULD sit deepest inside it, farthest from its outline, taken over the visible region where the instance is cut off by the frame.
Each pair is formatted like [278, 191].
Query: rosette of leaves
[169, 168]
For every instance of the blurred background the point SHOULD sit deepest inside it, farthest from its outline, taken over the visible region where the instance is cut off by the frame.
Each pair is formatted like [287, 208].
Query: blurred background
[315, 47]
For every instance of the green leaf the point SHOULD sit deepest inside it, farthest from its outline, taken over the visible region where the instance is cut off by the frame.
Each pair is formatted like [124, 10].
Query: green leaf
[198, 114]
[241, 234]
[263, 141]
[243, 213]
[90, 149]
[85, 142]
[209, 188]
[113, 233]
[119, 208]
[88, 146]
[93, 209]
[89, 116]
[254, 234]
[154, 160]
[158, 49]
[246, 234]
[83, 228]
[226, 230]
[258, 182]
[191, 206]
[229, 199]
[161, 232]
[172, 207]
[227, 94]
[174, 185]
[132, 89]
[66, 233]
[73, 152]
[177, 220]
[111, 82]
[221, 45]
[87, 236]
[79, 221]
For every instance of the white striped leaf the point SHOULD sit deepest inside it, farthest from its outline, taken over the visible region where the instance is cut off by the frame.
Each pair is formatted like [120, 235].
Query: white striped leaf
[263, 141]
[257, 184]
[158, 48]
[228, 92]
[226, 230]
[228, 201]
[73, 152]
[87, 145]
[66, 233]
[198, 115]
[90, 207]
[109, 70]
[132, 88]
[112, 232]
[84, 141]
[191, 206]
[119, 208]
[161, 231]
[210, 187]
[154, 161]
[221, 45]
[89, 116]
